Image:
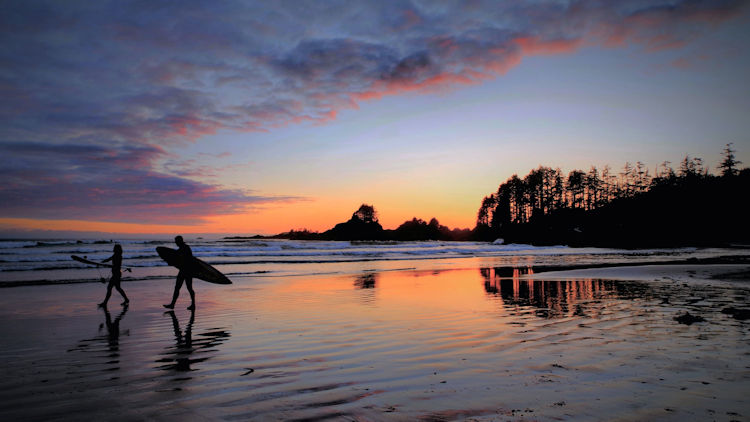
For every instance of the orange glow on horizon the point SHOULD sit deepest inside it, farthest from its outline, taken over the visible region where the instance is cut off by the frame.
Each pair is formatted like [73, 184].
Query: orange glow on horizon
[315, 216]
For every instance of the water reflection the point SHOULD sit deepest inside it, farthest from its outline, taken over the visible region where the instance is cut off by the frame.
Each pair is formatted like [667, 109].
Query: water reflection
[556, 298]
[188, 351]
[365, 284]
[365, 281]
[106, 345]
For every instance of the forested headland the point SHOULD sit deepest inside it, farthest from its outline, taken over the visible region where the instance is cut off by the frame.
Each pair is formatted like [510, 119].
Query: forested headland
[674, 207]
[686, 206]
[364, 225]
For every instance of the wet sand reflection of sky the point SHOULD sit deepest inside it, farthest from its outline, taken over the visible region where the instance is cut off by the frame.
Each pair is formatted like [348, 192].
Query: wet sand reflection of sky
[517, 289]
[403, 345]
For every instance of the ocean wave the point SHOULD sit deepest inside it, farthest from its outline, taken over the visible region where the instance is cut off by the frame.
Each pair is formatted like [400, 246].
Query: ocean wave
[57, 243]
[51, 267]
[42, 282]
[49, 255]
[13, 244]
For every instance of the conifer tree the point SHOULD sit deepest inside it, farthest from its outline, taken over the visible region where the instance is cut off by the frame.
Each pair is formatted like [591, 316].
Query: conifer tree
[729, 165]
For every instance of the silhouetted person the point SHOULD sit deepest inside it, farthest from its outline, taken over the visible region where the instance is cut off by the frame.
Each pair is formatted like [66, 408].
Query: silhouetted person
[114, 281]
[184, 274]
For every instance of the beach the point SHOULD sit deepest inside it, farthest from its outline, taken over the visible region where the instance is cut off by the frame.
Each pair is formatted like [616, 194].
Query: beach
[467, 342]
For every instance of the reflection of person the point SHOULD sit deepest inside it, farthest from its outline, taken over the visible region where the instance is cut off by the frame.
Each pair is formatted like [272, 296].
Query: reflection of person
[114, 281]
[113, 328]
[182, 355]
[111, 338]
[183, 340]
[184, 275]
[180, 359]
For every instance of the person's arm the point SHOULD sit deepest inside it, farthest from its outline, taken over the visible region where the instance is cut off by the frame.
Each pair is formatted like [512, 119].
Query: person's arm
[109, 259]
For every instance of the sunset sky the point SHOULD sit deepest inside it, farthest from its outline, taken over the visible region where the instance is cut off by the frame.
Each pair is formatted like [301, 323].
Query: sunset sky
[259, 117]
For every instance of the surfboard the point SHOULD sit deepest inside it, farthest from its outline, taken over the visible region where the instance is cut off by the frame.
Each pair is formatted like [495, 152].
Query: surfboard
[86, 261]
[196, 267]
[90, 262]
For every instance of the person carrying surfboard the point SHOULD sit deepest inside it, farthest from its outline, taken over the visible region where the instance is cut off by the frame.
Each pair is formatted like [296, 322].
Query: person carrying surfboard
[184, 275]
[114, 281]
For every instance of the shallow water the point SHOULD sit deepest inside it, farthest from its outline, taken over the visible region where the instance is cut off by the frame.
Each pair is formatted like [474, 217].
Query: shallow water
[395, 345]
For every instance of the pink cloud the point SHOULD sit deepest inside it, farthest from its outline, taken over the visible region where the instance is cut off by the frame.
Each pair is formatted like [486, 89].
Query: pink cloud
[536, 46]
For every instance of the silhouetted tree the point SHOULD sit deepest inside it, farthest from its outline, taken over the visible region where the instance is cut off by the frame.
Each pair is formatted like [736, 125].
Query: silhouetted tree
[559, 190]
[517, 199]
[362, 226]
[366, 214]
[592, 184]
[729, 165]
[627, 180]
[665, 175]
[576, 188]
[609, 182]
[484, 215]
[533, 183]
[691, 168]
[501, 214]
[418, 229]
[641, 176]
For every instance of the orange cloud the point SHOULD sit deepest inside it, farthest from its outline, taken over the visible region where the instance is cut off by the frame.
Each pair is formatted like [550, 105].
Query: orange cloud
[380, 89]
[537, 46]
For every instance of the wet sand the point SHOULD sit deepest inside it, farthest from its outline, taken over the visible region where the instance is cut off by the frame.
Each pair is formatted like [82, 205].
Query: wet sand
[460, 344]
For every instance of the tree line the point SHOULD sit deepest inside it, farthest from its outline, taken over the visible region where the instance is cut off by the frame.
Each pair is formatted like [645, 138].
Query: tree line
[547, 206]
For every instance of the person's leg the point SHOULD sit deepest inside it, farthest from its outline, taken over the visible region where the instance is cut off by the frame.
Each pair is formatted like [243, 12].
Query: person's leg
[115, 282]
[189, 284]
[122, 293]
[109, 293]
[177, 287]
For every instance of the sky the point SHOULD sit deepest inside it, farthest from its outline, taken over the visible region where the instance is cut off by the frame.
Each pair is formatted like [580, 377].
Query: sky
[259, 117]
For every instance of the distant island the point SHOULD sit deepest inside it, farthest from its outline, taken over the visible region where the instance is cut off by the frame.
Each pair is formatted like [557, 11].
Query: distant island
[364, 226]
[684, 207]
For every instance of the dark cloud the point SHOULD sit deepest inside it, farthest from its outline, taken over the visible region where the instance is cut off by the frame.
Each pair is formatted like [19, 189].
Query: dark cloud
[161, 68]
[120, 82]
[109, 184]
[337, 60]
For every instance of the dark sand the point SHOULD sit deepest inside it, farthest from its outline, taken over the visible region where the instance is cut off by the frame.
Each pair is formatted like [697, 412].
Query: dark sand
[600, 344]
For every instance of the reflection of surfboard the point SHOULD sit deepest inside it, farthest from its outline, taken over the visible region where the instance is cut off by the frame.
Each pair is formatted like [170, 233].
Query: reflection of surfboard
[195, 267]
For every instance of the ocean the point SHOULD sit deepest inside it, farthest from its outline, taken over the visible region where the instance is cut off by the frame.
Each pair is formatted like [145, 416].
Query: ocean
[48, 261]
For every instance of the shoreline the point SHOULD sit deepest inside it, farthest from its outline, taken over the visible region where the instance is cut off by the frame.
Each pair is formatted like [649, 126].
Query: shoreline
[673, 271]
[539, 271]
